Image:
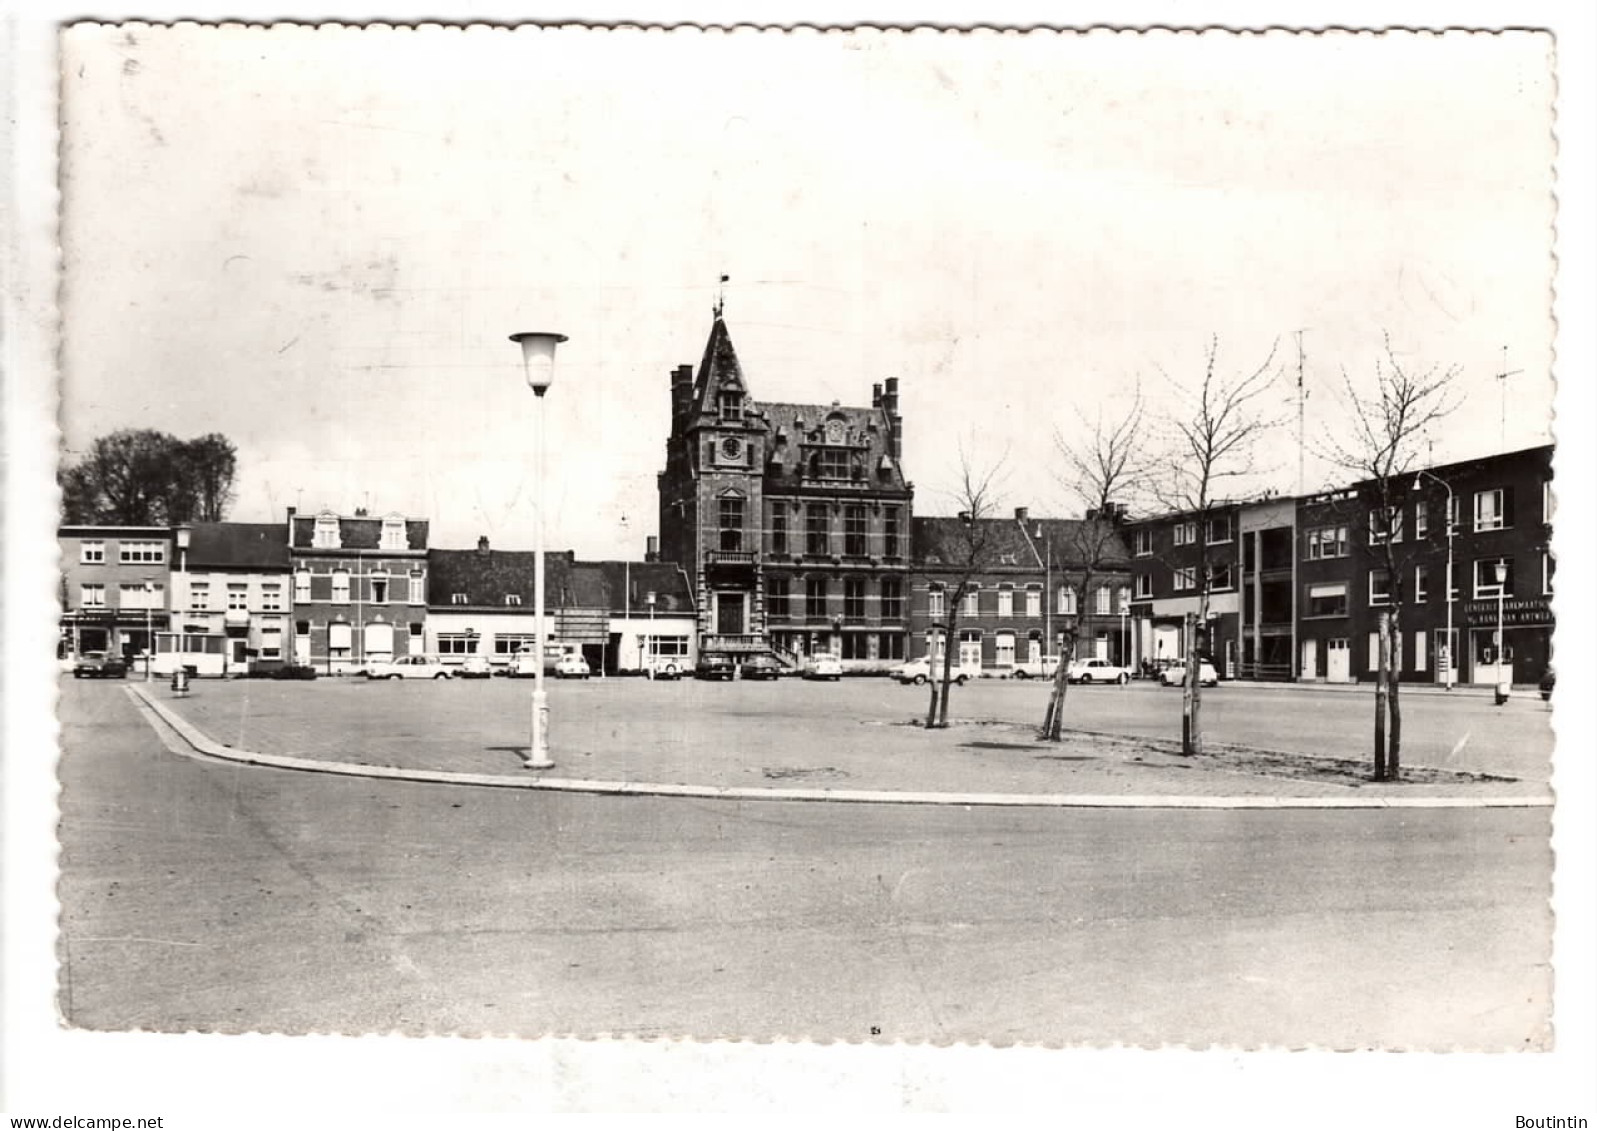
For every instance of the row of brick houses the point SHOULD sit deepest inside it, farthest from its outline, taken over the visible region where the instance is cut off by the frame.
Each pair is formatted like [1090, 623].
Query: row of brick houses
[789, 529]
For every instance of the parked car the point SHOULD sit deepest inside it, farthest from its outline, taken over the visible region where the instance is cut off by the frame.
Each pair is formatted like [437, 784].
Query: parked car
[408, 667]
[475, 667]
[1548, 681]
[664, 667]
[523, 663]
[919, 671]
[824, 667]
[1095, 670]
[1035, 669]
[762, 667]
[715, 665]
[572, 666]
[100, 665]
[1176, 674]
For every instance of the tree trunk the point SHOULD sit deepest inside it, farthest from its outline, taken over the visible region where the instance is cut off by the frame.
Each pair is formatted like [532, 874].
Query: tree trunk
[1394, 672]
[1191, 696]
[1383, 642]
[937, 713]
[1053, 727]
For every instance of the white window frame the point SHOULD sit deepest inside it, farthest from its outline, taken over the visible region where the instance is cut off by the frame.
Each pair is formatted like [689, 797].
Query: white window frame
[1422, 579]
[1066, 605]
[1549, 503]
[1419, 649]
[1185, 533]
[513, 599]
[1422, 519]
[1226, 534]
[200, 596]
[1547, 574]
[326, 535]
[1327, 542]
[340, 575]
[1490, 588]
[1144, 585]
[91, 595]
[91, 553]
[970, 603]
[272, 597]
[1034, 600]
[1184, 578]
[302, 585]
[1222, 577]
[1006, 601]
[1385, 598]
[1144, 543]
[1103, 601]
[1493, 520]
[936, 601]
[141, 552]
[418, 589]
[238, 597]
[1378, 530]
[393, 535]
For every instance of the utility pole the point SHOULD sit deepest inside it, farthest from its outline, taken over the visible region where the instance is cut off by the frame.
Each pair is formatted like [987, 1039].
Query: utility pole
[1302, 396]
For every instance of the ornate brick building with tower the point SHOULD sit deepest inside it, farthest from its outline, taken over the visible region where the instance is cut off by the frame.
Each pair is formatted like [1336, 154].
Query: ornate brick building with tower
[791, 520]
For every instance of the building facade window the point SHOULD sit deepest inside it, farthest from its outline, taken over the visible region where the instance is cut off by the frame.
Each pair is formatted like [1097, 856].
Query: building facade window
[730, 517]
[1222, 577]
[1547, 574]
[272, 597]
[1380, 587]
[393, 536]
[1491, 511]
[815, 598]
[1327, 600]
[339, 638]
[141, 595]
[1422, 519]
[890, 549]
[730, 405]
[1184, 578]
[832, 463]
[1004, 649]
[1186, 533]
[854, 531]
[970, 604]
[380, 589]
[200, 596]
[935, 598]
[1327, 542]
[776, 598]
[457, 599]
[341, 586]
[1144, 585]
[91, 553]
[1103, 601]
[418, 589]
[892, 646]
[1486, 578]
[509, 643]
[1422, 584]
[325, 535]
[779, 528]
[854, 599]
[271, 643]
[141, 553]
[856, 646]
[1034, 600]
[1219, 530]
[1066, 605]
[815, 529]
[302, 585]
[892, 598]
[457, 643]
[1386, 525]
[513, 600]
[1144, 543]
[91, 596]
[238, 598]
[1006, 602]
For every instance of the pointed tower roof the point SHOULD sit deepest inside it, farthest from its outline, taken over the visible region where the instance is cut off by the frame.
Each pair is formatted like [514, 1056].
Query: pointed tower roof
[719, 371]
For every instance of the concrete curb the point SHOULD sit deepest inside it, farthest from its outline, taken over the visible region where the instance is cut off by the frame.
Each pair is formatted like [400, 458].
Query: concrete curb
[209, 747]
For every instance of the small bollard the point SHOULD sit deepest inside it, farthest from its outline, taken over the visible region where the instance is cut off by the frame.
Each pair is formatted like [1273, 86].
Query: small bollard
[1502, 694]
[180, 683]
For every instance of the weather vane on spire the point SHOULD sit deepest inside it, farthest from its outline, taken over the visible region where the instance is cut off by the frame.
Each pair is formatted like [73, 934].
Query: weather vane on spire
[720, 296]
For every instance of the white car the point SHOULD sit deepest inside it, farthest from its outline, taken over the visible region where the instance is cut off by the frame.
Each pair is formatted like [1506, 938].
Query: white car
[572, 666]
[824, 667]
[1095, 670]
[1176, 675]
[1035, 669]
[919, 671]
[523, 663]
[408, 667]
[474, 667]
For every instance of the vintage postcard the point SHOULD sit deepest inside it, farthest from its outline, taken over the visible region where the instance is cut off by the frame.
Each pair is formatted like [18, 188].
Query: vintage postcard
[870, 536]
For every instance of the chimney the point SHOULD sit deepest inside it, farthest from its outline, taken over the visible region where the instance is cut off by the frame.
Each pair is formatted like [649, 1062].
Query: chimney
[681, 391]
[1020, 515]
[890, 406]
[482, 544]
[652, 553]
[876, 395]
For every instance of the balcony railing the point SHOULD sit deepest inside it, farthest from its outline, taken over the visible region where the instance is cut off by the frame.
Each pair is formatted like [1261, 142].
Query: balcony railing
[730, 557]
[733, 642]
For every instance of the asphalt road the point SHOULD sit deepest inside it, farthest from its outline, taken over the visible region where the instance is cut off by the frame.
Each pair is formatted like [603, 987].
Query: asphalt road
[226, 898]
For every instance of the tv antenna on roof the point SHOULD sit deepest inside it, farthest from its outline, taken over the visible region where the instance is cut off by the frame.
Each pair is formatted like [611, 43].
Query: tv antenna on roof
[1502, 401]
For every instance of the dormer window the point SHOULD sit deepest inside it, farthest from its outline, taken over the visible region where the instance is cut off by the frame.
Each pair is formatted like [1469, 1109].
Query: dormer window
[730, 405]
[512, 598]
[326, 535]
[457, 598]
[393, 534]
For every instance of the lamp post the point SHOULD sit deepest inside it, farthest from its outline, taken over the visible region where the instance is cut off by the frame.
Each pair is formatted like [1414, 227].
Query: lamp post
[149, 627]
[1125, 640]
[538, 362]
[649, 599]
[1501, 569]
[1449, 663]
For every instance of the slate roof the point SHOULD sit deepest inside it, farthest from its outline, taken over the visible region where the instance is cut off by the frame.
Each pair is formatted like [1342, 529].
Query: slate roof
[487, 577]
[718, 369]
[360, 533]
[238, 545]
[664, 579]
[945, 539]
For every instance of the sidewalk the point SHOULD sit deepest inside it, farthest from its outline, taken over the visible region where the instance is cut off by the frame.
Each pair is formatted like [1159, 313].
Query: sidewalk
[478, 736]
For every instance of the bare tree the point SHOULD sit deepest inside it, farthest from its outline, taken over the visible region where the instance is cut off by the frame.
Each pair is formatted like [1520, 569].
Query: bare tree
[1379, 444]
[966, 556]
[1212, 431]
[1102, 463]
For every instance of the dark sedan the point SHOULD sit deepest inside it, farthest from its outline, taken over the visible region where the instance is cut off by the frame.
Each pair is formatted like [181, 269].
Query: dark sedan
[715, 665]
[100, 665]
[762, 667]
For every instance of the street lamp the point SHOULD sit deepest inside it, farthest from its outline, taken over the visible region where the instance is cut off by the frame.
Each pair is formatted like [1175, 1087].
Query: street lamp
[149, 627]
[1447, 659]
[649, 599]
[1501, 569]
[538, 362]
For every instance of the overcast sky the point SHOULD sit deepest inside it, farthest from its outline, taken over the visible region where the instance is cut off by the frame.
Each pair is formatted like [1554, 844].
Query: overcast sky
[316, 241]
